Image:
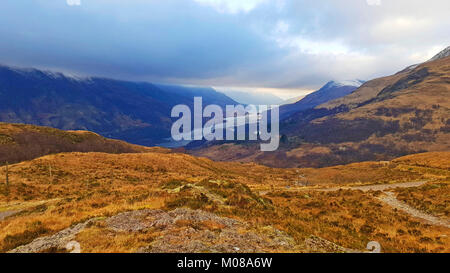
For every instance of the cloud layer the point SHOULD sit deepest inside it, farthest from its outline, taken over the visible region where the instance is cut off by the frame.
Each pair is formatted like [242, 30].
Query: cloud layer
[272, 44]
[73, 2]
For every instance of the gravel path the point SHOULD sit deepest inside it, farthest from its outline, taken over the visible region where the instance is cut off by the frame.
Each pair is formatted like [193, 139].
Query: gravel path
[380, 187]
[390, 199]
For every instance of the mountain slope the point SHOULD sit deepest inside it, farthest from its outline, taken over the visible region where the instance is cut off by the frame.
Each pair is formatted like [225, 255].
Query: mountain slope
[330, 91]
[208, 94]
[20, 142]
[443, 54]
[405, 113]
[364, 93]
[136, 112]
[410, 113]
[371, 89]
[292, 100]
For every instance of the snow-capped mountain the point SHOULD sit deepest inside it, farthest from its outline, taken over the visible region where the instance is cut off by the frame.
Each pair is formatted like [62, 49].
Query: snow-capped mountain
[444, 53]
[355, 83]
[330, 91]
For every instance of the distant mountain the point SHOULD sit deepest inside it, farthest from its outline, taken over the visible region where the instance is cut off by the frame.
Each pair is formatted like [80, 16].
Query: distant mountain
[208, 94]
[330, 91]
[401, 114]
[136, 112]
[405, 113]
[253, 98]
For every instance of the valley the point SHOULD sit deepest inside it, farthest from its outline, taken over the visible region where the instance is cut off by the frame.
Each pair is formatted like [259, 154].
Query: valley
[384, 118]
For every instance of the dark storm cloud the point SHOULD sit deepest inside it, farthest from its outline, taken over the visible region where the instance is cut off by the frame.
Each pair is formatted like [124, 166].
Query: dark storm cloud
[253, 43]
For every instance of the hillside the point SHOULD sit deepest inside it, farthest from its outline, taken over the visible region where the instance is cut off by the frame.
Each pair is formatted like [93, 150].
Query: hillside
[136, 112]
[152, 202]
[19, 142]
[372, 89]
[405, 113]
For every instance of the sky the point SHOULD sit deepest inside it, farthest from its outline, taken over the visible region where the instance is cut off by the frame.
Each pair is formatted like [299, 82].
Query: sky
[284, 47]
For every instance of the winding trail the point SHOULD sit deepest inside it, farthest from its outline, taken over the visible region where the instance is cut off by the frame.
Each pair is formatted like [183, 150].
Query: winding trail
[379, 187]
[390, 199]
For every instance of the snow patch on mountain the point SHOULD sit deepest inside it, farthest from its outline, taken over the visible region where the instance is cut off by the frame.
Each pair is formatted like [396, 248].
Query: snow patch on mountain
[355, 83]
[444, 53]
[47, 73]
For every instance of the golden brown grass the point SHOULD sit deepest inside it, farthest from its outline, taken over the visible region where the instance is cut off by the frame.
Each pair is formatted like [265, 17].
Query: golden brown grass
[433, 198]
[97, 239]
[19, 142]
[438, 160]
[56, 191]
[353, 218]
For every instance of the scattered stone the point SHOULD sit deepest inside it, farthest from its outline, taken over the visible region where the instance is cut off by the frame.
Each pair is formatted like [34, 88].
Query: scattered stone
[55, 241]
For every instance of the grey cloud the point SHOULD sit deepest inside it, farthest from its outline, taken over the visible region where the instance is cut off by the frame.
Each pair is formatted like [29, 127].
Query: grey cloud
[183, 41]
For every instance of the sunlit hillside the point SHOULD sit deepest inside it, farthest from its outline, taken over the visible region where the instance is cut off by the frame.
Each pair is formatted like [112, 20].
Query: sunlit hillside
[20, 142]
[222, 207]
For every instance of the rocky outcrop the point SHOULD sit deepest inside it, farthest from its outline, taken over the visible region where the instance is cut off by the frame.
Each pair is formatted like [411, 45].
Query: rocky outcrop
[196, 231]
[56, 241]
[182, 231]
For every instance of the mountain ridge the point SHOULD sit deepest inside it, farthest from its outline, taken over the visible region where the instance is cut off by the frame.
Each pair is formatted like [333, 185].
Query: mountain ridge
[330, 91]
[137, 112]
[443, 54]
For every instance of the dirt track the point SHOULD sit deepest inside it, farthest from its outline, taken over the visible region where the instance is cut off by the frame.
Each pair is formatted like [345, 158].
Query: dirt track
[390, 199]
[381, 187]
